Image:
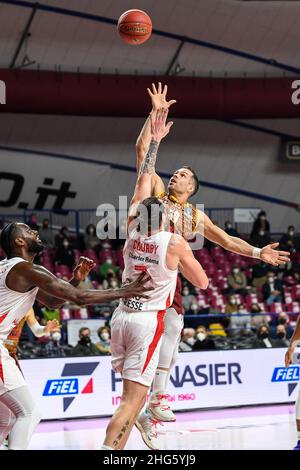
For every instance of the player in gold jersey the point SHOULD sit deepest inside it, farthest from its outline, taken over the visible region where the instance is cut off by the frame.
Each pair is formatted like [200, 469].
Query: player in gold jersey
[188, 221]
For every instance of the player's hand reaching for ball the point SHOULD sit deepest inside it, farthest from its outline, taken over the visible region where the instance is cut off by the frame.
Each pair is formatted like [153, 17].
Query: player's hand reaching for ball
[82, 268]
[159, 97]
[138, 287]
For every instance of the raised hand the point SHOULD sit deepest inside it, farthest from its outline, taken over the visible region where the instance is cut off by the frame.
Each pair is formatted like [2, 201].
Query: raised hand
[159, 97]
[159, 128]
[51, 326]
[137, 288]
[82, 268]
[275, 257]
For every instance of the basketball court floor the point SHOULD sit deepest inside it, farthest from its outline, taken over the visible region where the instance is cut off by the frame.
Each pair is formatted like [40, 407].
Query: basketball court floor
[247, 428]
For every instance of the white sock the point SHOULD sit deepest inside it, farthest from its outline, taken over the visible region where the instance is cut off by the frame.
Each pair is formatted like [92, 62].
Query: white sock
[103, 447]
[159, 381]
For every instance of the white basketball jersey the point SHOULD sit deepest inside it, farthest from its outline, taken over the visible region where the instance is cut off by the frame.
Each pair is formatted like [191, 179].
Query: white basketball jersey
[13, 305]
[148, 254]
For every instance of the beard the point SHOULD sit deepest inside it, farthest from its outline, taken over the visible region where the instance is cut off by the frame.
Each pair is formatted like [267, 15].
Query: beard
[34, 246]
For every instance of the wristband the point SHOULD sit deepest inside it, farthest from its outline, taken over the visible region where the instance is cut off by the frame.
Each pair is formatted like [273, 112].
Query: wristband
[256, 253]
[38, 330]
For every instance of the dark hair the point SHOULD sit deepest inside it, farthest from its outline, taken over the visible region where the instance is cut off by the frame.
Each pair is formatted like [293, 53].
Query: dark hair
[153, 214]
[6, 237]
[195, 178]
[83, 328]
[88, 227]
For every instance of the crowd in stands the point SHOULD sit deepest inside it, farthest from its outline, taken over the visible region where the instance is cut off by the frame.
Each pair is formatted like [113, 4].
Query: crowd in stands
[248, 303]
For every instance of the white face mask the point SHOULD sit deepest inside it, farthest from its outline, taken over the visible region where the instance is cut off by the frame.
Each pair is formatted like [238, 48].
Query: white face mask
[194, 307]
[56, 336]
[105, 336]
[185, 292]
[191, 341]
[201, 336]
[232, 301]
[235, 271]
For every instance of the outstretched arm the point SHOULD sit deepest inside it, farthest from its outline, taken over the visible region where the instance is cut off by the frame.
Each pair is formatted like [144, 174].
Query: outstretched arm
[25, 276]
[158, 98]
[267, 254]
[81, 270]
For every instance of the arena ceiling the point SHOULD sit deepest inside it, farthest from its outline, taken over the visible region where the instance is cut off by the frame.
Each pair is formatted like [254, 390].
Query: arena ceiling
[217, 37]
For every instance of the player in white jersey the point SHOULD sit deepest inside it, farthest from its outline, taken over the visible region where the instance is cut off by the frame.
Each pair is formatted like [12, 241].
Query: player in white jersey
[21, 282]
[137, 325]
[291, 357]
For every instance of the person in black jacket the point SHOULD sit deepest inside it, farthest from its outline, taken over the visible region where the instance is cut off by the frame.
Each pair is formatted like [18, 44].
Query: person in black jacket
[85, 347]
[203, 342]
[260, 223]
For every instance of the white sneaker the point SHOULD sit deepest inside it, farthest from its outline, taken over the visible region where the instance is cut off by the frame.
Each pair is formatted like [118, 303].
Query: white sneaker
[159, 407]
[147, 427]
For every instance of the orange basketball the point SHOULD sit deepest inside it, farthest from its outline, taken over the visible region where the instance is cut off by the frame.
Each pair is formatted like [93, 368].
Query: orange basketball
[135, 27]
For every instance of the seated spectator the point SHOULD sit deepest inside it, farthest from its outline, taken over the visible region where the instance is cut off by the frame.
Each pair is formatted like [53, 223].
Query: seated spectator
[188, 340]
[260, 224]
[50, 313]
[203, 341]
[90, 238]
[60, 236]
[104, 343]
[85, 347]
[53, 348]
[281, 340]
[32, 222]
[281, 319]
[232, 305]
[258, 316]
[193, 309]
[231, 230]
[290, 241]
[237, 281]
[65, 254]
[263, 339]
[187, 298]
[46, 234]
[273, 289]
[260, 239]
[241, 320]
[107, 268]
[259, 274]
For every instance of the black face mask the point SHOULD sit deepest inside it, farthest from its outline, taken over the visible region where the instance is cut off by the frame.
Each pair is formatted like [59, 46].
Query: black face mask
[280, 335]
[282, 321]
[85, 340]
[34, 246]
[263, 335]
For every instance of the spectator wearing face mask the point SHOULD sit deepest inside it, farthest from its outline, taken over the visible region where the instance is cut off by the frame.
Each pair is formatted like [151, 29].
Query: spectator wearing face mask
[232, 305]
[62, 234]
[263, 339]
[203, 341]
[260, 239]
[188, 340]
[241, 320]
[193, 309]
[187, 298]
[231, 230]
[90, 238]
[107, 268]
[283, 320]
[273, 289]
[237, 281]
[260, 224]
[53, 347]
[258, 317]
[104, 341]
[85, 347]
[32, 222]
[259, 274]
[281, 340]
[289, 241]
[46, 234]
[65, 254]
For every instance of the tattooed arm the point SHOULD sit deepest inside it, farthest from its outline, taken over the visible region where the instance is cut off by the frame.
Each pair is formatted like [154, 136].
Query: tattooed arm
[159, 129]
